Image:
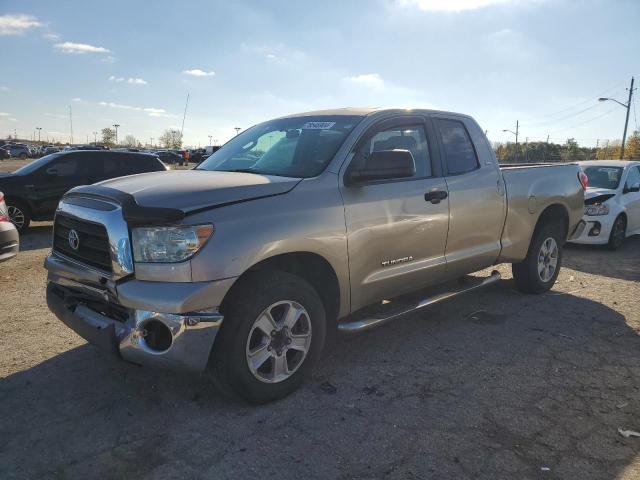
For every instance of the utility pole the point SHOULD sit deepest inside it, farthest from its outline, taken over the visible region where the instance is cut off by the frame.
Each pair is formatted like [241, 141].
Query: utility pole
[237, 129]
[38, 128]
[627, 106]
[626, 121]
[606, 150]
[116, 125]
[516, 134]
[151, 142]
[595, 156]
[210, 144]
[95, 138]
[526, 151]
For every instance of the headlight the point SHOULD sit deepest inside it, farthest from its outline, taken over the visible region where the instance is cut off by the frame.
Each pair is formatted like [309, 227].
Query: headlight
[593, 210]
[168, 244]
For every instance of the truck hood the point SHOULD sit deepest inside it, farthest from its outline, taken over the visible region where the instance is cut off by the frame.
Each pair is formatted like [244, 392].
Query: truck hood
[190, 190]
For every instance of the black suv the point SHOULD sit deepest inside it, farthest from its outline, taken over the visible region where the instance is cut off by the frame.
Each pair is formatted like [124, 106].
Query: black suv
[33, 191]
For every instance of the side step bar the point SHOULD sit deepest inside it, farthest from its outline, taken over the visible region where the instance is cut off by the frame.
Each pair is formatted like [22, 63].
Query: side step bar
[367, 323]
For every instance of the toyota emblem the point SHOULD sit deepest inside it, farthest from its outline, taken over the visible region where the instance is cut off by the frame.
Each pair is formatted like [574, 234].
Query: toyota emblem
[74, 240]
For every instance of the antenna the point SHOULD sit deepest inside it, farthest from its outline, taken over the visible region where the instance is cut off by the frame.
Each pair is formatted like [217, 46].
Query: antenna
[183, 116]
[71, 125]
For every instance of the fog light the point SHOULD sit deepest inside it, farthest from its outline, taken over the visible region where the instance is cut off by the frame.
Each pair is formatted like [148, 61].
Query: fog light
[157, 336]
[595, 230]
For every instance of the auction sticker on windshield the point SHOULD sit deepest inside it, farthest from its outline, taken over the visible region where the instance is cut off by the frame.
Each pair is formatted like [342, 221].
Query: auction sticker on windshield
[318, 125]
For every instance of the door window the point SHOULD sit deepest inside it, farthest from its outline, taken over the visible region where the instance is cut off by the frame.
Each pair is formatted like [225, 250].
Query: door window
[459, 152]
[633, 178]
[409, 137]
[66, 167]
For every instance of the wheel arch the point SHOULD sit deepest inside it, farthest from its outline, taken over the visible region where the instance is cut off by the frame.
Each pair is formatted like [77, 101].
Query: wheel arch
[554, 213]
[312, 268]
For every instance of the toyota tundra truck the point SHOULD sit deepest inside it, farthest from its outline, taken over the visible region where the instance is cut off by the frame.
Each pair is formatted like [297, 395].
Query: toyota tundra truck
[321, 222]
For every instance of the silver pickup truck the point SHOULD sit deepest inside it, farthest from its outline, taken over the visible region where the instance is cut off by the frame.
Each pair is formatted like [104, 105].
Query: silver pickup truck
[326, 221]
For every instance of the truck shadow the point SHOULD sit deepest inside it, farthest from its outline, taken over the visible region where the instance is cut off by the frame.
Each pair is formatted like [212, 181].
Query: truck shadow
[489, 383]
[598, 260]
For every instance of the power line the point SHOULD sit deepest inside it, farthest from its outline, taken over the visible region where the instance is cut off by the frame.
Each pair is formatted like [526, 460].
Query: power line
[586, 121]
[562, 118]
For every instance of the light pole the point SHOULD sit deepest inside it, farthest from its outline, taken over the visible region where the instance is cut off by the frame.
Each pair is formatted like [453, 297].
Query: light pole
[151, 142]
[237, 129]
[116, 125]
[38, 128]
[516, 134]
[95, 138]
[210, 144]
[626, 121]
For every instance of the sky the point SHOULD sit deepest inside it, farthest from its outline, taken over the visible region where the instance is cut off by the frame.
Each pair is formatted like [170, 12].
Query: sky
[133, 63]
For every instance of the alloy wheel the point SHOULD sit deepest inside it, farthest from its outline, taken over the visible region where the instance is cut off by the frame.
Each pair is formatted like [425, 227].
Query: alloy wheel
[547, 259]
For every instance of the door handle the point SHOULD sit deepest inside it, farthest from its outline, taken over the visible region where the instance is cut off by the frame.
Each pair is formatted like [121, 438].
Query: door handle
[435, 196]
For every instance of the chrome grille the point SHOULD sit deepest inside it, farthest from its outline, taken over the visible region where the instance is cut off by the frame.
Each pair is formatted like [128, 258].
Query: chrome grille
[93, 241]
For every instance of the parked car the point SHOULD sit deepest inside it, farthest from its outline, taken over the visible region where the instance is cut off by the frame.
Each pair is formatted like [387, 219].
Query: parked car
[33, 191]
[612, 202]
[9, 238]
[18, 150]
[4, 153]
[169, 157]
[296, 227]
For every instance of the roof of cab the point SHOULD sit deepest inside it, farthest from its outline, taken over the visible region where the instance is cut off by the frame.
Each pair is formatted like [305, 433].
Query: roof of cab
[365, 111]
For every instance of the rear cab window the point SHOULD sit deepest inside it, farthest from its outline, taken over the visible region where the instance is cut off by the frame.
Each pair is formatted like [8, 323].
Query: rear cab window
[459, 151]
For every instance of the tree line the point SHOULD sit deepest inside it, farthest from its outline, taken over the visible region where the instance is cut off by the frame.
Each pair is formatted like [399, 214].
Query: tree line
[532, 152]
[170, 139]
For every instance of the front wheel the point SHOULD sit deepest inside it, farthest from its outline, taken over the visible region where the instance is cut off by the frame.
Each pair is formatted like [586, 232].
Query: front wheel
[273, 333]
[18, 214]
[618, 232]
[540, 268]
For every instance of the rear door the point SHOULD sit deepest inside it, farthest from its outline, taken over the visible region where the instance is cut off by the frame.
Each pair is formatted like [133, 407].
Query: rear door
[396, 236]
[476, 195]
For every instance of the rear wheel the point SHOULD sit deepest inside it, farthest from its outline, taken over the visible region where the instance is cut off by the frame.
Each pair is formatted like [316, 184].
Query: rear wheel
[618, 232]
[19, 214]
[540, 268]
[273, 333]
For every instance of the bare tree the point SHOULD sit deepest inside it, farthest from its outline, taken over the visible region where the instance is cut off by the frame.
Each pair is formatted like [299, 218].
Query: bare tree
[130, 141]
[171, 139]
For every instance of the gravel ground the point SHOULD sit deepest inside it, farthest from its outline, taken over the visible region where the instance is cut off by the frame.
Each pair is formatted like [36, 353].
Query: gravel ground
[493, 384]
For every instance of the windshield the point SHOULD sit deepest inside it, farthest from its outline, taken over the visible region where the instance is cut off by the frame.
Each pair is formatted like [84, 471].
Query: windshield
[289, 147]
[604, 177]
[33, 166]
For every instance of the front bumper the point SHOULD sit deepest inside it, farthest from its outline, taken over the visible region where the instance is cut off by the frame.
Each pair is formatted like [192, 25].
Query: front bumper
[156, 324]
[601, 224]
[186, 339]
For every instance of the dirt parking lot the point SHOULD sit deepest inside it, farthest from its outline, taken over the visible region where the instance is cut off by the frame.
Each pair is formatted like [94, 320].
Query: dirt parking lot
[491, 385]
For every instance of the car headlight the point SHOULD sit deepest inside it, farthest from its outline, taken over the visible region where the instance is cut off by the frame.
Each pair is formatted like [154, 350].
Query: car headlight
[168, 244]
[593, 210]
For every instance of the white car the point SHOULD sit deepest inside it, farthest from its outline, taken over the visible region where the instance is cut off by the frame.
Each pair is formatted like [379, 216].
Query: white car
[612, 202]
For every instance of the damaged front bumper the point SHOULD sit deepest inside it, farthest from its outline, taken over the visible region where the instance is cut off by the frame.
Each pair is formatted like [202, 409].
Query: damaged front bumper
[137, 333]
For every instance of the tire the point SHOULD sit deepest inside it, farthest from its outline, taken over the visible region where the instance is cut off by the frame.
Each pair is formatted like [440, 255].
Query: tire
[618, 233]
[23, 156]
[545, 251]
[240, 338]
[19, 214]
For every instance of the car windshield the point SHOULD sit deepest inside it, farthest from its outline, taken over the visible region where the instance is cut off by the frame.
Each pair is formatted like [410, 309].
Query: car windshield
[288, 147]
[33, 166]
[604, 177]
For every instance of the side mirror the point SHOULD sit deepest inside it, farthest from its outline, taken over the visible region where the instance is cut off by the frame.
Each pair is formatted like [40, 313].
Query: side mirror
[634, 188]
[53, 171]
[385, 165]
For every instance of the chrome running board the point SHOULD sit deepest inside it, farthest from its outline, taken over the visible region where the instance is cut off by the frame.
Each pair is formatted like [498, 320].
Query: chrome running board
[368, 322]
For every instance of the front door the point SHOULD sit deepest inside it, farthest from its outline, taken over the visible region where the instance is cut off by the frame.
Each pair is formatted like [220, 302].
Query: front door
[397, 228]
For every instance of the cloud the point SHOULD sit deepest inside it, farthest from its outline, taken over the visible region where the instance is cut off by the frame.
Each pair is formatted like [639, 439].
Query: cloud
[17, 24]
[3, 88]
[151, 111]
[4, 114]
[79, 48]
[450, 5]
[196, 72]
[76, 99]
[372, 80]
[130, 80]
[54, 37]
